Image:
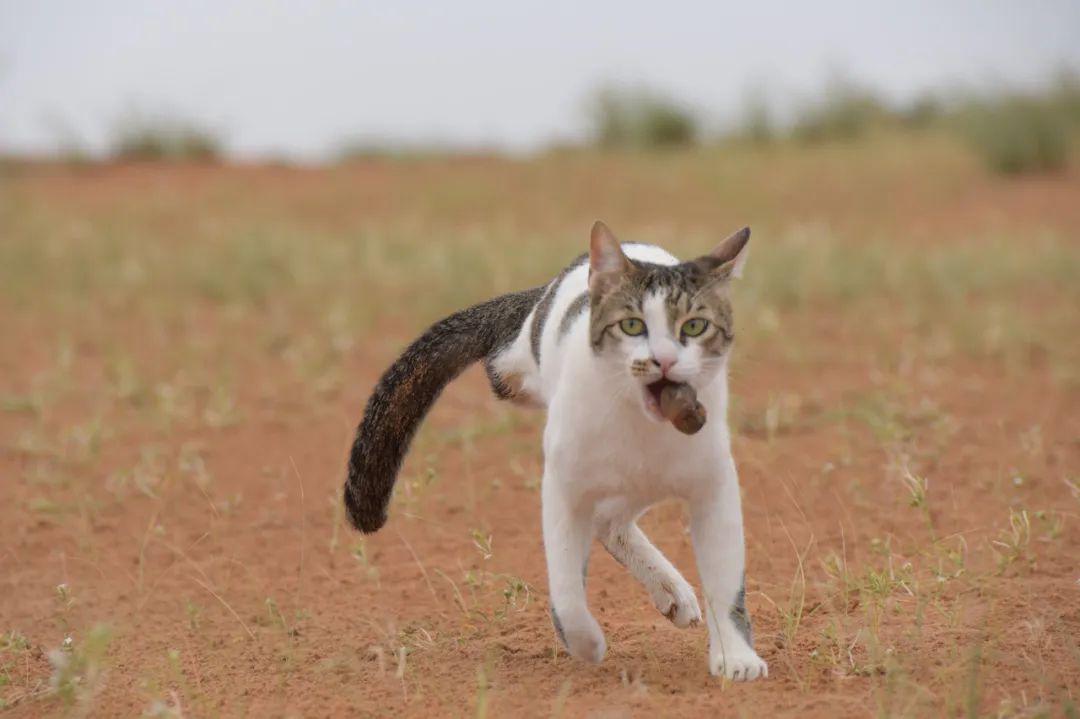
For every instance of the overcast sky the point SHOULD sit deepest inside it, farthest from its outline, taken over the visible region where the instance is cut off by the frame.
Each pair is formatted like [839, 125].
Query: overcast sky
[295, 78]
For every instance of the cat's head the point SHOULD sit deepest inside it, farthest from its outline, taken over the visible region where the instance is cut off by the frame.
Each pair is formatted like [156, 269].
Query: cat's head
[662, 323]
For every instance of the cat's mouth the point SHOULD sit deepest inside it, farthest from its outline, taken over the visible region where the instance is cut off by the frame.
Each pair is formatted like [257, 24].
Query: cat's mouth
[652, 397]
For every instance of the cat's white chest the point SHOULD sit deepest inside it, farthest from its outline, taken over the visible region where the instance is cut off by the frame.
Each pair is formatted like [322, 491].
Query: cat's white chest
[612, 450]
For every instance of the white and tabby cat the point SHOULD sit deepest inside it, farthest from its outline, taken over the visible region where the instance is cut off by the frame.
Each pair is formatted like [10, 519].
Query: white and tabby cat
[596, 346]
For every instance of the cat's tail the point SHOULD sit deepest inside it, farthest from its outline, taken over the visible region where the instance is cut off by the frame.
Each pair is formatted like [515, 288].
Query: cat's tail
[407, 390]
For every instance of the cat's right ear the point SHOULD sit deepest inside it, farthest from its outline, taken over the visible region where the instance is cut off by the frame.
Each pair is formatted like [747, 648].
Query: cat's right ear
[728, 259]
[607, 263]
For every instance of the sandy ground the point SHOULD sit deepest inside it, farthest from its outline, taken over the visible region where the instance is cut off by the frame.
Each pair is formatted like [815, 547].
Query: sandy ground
[216, 553]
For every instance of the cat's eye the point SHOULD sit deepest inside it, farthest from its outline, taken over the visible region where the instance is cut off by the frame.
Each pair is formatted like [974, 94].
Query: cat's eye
[694, 327]
[632, 326]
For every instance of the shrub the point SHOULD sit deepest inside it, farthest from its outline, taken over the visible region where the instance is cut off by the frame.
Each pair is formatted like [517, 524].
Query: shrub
[145, 137]
[844, 112]
[1065, 95]
[1017, 134]
[641, 119]
[362, 149]
[756, 124]
[925, 110]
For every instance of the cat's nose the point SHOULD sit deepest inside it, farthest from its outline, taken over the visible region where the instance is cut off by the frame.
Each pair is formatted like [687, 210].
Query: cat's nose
[665, 364]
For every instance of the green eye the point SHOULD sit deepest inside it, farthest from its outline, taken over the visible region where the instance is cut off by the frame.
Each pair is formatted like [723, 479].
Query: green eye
[632, 326]
[694, 327]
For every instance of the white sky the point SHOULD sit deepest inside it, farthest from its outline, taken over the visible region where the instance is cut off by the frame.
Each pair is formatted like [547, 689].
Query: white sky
[295, 78]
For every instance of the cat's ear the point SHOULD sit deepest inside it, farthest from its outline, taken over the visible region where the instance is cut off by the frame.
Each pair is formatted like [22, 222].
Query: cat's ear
[728, 259]
[607, 263]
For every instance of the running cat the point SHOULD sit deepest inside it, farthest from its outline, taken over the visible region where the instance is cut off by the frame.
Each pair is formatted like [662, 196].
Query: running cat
[597, 346]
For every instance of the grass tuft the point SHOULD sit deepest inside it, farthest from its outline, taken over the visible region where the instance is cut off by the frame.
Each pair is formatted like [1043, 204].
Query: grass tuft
[79, 668]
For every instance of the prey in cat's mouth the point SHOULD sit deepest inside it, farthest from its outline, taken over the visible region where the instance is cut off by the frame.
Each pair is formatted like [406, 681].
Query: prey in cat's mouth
[653, 390]
[675, 402]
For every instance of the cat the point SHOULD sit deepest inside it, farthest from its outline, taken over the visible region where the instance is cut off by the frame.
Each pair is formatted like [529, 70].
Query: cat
[596, 345]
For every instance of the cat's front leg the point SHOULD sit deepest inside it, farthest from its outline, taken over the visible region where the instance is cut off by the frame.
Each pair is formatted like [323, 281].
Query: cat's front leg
[717, 531]
[568, 534]
[670, 592]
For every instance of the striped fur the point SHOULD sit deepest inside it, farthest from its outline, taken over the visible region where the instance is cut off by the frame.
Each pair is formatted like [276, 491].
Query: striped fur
[407, 390]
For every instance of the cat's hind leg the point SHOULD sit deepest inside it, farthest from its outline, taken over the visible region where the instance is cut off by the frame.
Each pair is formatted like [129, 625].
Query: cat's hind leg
[672, 595]
[568, 534]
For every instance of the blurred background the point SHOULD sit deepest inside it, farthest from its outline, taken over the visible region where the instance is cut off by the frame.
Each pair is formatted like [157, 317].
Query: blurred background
[220, 222]
[283, 81]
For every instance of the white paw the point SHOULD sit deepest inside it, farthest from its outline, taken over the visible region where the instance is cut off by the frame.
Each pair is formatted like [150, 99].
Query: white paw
[676, 601]
[740, 664]
[583, 637]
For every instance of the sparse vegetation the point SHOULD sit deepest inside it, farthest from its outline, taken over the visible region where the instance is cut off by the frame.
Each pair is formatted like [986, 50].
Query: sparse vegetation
[78, 669]
[1010, 132]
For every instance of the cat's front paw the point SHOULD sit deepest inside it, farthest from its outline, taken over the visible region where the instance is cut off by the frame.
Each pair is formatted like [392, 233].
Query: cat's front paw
[739, 664]
[677, 602]
[581, 635]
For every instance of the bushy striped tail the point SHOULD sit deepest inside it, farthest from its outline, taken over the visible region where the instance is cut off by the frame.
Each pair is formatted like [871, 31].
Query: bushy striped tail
[410, 387]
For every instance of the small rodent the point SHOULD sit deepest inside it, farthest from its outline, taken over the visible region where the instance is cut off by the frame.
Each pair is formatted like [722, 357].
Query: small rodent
[678, 403]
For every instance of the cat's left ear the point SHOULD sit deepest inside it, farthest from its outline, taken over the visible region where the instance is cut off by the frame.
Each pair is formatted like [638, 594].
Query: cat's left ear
[729, 257]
